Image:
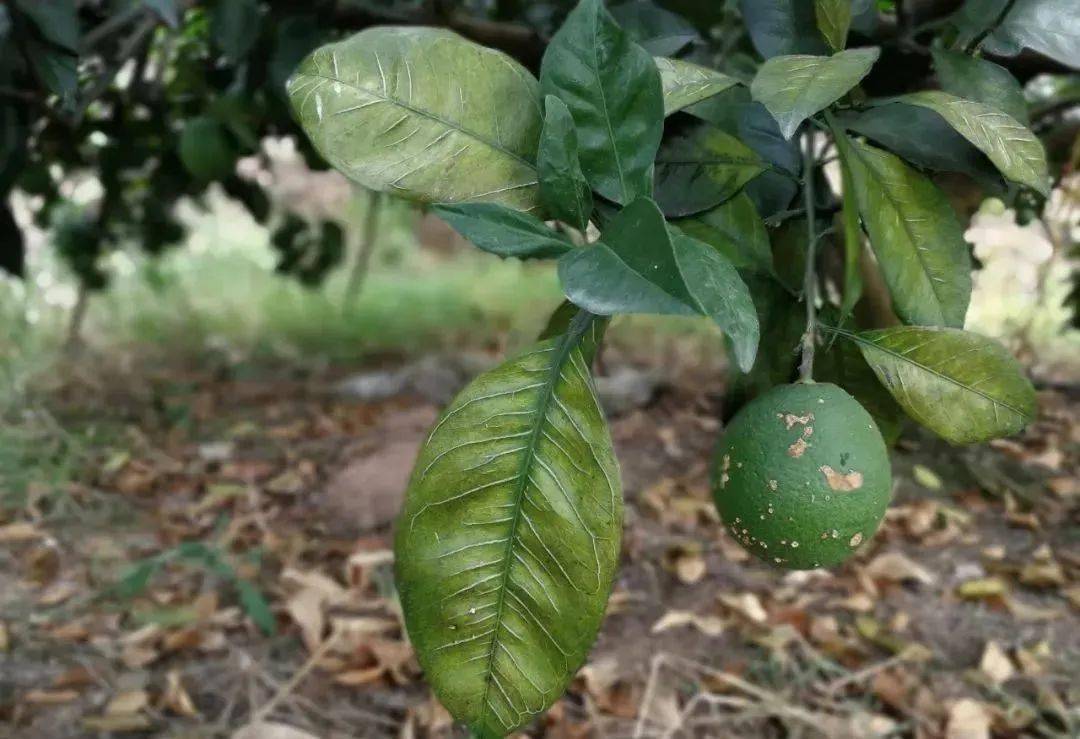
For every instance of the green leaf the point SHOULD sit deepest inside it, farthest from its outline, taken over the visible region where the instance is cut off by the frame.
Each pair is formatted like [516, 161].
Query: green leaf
[507, 545]
[686, 83]
[701, 166]
[166, 10]
[564, 190]
[612, 88]
[924, 138]
[504, 231]
[1009, 144]
[1050, 27]
[57, 68]
[423, 113]
[255, 606]
[12, 251]
[833, 20]
[659, 31]
[962, 386]
[638, 267]
[853, 243]
[782, 319]
[916, 236]
[57, 21]
[734, 229]
[234, 27]
[782, 27]
[793, 88]
[980, 80]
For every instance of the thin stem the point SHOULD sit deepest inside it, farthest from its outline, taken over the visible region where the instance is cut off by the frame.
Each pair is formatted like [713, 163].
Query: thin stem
[806, 367]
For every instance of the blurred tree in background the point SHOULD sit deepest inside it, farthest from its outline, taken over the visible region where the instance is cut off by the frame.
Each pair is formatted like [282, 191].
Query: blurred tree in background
[159, 99]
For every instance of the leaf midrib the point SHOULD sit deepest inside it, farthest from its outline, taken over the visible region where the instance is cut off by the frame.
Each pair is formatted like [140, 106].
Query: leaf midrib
[569, 342]
[426, 114]
[866, 342]
[906, 228]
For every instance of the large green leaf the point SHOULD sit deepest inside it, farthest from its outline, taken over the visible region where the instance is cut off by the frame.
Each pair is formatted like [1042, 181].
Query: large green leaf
[922, 137]
[1050, 27]
[612, 88]
[734, 229]
[564, 191]
[853, 243]
[57, 21]
[916, 236]
[234, 27]
[980, 80]
[659, 31]
[509, 538]
[1009, 144]
[504, 231]
[782, 27]
[833, 20]
[423, 113]
[699, 167]
[962, 386]
[686, 83]
[638, 267]
[793, 88]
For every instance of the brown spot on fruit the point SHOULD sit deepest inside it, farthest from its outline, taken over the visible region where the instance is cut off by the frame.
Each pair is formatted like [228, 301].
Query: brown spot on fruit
[856, 540]
[790, 419]
[797, 449]
[840, 481]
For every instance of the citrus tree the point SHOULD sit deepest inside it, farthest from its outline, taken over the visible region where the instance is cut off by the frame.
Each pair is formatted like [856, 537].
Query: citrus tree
[758, 197]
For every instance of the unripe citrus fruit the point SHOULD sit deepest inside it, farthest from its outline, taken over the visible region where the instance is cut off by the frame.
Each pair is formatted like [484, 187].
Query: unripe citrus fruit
[802, 476]
[207, 149]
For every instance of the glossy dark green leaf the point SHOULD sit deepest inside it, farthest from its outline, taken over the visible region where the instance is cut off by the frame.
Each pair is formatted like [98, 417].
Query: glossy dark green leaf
[507, 545]
[1050, 27]
[412, 111]
[57, 21]
[638, 267]
[833, 20]
[780, 27]
[295, 37]
[853, 244]
[925, 139]
[699, 167]
[612, 88]
[57, 68]
[167, 10]
[564, 191]
[980, 80]
[1010, 145]
[962, 386]
[782, 318]
[686, 83]
[234, 27]
[657, 30]
[734, 229]
[916, 236]
[793, 88]
[504, 231]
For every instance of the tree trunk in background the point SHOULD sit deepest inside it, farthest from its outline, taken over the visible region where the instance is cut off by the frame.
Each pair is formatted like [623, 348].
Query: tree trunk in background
[368, 235]
[73, 342]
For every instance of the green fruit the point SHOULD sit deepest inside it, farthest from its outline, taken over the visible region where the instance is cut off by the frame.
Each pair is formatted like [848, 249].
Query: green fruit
[802, 476]
[207, 149]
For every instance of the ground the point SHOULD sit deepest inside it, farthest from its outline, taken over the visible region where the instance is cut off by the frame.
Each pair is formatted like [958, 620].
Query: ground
[206, 552]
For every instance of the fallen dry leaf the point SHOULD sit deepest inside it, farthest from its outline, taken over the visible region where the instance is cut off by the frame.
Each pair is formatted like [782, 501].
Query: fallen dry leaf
[50, 697]
[176, 698]
[708, 625]
[747, 605]
[120, 722]
[15, 533]
[131, 701]
[983, 587]
[968, 719]
[267, 730]
[995, 664]
[896, 567]
[1042, 574]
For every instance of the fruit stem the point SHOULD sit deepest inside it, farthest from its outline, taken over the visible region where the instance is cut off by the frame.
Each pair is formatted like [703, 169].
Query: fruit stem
[806, 366]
